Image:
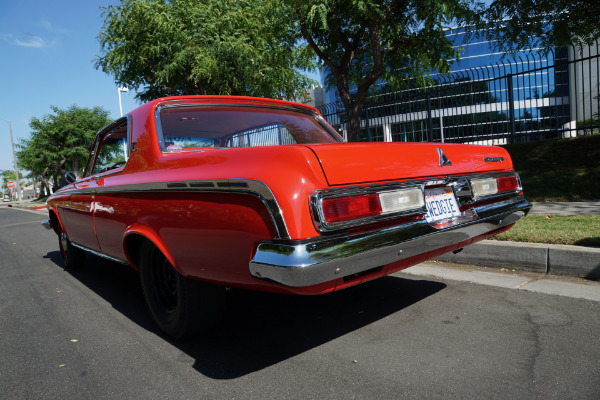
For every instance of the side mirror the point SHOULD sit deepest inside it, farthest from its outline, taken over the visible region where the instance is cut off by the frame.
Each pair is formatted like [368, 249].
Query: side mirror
[70, 177]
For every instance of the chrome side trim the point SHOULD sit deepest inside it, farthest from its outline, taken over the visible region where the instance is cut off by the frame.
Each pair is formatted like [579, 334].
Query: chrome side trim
[96, 253]
[322, 259]
[248, 186]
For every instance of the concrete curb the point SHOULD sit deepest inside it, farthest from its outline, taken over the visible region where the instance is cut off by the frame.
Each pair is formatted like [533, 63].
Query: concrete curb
[556, 259]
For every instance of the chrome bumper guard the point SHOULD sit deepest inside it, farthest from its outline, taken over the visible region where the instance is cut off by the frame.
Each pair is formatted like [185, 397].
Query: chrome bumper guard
[308, 262]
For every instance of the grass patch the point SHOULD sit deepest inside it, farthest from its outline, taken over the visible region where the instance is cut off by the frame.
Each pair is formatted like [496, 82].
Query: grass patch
[581, 230]
[559, 169]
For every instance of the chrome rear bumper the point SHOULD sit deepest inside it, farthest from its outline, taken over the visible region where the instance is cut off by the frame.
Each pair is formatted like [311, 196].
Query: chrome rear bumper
[308, 262]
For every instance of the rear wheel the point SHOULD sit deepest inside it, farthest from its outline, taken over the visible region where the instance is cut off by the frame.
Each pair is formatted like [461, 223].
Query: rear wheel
[180, 306]
[72, 256]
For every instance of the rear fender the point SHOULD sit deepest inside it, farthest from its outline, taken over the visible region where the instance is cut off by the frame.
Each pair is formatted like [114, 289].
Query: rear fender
[134, 235]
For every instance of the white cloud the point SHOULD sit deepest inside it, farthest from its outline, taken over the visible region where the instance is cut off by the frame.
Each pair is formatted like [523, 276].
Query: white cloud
[28, 41]
[47, 25]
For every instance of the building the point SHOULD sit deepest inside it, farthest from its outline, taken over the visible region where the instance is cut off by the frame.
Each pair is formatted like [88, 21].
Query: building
[489, 97]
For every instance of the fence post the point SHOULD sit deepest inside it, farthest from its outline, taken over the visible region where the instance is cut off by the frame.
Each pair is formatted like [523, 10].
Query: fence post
[429, 121]
[511, 108]
[367, 126]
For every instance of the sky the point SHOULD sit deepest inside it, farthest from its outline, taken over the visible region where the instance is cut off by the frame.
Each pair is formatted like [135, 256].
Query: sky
[47, 53]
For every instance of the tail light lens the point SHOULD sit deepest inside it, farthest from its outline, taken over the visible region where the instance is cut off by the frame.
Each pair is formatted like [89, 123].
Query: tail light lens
[492, 186]
[342, 211]
[339, 209]
[508, 184]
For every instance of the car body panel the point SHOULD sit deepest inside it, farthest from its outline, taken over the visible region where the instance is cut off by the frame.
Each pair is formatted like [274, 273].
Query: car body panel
[357, 163]
[219, 214]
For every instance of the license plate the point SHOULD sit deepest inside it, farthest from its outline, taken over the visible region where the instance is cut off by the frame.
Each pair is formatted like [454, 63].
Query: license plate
[441, 204]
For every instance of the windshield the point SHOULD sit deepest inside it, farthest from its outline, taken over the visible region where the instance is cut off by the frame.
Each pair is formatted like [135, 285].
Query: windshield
[191, 127]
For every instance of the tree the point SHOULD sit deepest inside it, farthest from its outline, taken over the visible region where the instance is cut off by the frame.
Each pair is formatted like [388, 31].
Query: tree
[179, 47]
[362, 42]
[60, 142]
[525, 24]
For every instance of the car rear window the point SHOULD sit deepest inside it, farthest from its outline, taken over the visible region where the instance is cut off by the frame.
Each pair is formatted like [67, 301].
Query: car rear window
[189, 127]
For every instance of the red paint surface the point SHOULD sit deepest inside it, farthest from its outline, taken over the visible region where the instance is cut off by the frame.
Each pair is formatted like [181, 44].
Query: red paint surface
[212, 236]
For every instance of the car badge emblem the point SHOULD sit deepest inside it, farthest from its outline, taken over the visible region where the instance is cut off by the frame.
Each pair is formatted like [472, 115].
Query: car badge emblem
[493, 159]
[444, 161]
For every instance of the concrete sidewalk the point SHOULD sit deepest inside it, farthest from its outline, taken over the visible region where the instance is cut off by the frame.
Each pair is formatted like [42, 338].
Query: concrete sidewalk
[509, 278]
[580, 261]
[567, 208]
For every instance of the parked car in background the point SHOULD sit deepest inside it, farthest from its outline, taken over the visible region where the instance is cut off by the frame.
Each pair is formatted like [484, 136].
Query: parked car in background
[200, 193]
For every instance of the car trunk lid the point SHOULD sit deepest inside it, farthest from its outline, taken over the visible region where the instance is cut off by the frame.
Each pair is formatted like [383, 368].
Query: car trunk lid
[357, 163]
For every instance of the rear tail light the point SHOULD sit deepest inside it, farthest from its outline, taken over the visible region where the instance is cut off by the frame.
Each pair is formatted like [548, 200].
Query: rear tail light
[492, 186]
[484, 187]
[341, 211]
[401, 200]
[449, 201]
[508, 184]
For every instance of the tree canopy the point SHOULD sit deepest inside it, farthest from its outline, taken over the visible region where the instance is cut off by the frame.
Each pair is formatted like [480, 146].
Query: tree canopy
[178, 47]
[542, 24]
[60, 142]
[362, 42]
[259, 47]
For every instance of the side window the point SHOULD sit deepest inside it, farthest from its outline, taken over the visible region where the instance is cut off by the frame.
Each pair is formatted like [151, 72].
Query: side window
[112, 150]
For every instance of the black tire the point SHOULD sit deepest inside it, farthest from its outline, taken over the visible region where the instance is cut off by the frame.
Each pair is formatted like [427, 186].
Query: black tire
[181, 307]
[72, 256]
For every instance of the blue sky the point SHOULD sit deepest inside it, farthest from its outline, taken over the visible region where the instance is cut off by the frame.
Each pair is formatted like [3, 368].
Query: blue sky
[47, 52]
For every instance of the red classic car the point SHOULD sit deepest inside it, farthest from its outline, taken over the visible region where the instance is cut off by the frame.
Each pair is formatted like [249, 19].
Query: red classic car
[200, 193]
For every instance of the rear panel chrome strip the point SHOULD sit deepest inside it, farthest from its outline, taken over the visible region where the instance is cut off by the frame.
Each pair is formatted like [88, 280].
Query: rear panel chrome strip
[247, 186]
[317, 260]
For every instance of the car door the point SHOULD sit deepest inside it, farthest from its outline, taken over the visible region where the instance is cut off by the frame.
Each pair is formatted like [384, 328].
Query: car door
[77, 212]
[108, 156]
[108, 202]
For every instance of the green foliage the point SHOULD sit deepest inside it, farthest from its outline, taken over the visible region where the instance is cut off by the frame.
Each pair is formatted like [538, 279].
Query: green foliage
[580, 230]
[179, 47]
[362, 42]
[560, 169]
[527, 24]
[61, 141]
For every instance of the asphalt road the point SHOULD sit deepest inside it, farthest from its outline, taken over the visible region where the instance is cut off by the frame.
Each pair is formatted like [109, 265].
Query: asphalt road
[87, 334]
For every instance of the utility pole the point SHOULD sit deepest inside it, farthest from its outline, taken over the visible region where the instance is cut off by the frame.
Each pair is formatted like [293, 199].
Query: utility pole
[12, 143]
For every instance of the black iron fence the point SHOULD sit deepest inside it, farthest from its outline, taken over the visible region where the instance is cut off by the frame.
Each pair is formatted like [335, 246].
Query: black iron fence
[531, 97]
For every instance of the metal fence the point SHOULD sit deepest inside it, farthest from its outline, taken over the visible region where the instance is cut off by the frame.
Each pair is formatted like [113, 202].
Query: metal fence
[531, 97]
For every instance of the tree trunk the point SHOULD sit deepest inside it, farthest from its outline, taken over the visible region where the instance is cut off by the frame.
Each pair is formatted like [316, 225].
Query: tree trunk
[44, 189]
[354, 115]
[55, 183]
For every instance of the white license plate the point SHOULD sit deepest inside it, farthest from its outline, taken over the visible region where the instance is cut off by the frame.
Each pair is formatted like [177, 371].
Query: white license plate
[441, 204]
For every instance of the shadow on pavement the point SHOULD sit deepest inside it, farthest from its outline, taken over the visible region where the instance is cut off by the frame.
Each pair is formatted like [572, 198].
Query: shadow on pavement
[259, 330]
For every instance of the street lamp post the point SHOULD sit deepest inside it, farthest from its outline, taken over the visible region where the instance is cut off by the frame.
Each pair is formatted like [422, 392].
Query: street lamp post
[119, 90]
[12, 143]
